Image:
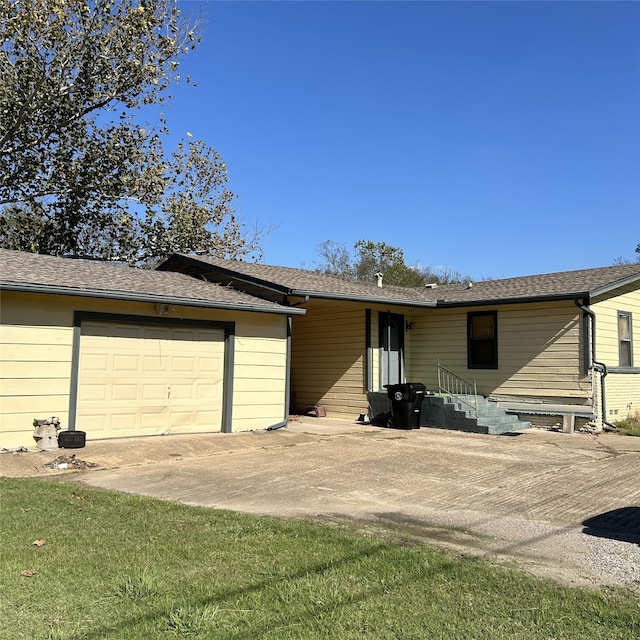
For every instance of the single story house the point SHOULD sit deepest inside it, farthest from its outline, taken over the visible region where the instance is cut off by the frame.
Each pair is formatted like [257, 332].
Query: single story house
[117, 352]
[544, 347]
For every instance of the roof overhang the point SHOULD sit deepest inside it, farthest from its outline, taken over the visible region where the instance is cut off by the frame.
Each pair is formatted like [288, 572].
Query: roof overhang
[221, 273]
[203, 267]
[152, 298]
[301, 293]
[615, 285]
[518, 300]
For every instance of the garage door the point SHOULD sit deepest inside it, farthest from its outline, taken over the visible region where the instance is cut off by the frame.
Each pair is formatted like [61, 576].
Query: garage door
[138, 380]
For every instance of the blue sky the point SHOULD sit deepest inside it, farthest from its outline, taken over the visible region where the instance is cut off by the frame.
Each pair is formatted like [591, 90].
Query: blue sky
[492, 138]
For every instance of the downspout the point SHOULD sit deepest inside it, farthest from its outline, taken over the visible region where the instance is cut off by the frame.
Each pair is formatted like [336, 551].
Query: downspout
[598, 366]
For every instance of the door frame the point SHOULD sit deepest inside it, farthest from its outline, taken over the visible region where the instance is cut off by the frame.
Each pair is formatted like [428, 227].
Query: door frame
[387, 320]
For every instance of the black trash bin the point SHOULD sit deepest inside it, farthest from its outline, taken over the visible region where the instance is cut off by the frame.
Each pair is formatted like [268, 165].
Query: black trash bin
[406, 402]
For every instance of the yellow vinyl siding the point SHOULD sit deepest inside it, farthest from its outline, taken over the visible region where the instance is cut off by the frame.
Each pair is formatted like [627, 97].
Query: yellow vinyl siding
[36, 348]
[437, 335]
[606, 308]
[259, 390]
[328, 358]
[622, 395]
[329, 355]
[35, 368]
[539, 350]
[622, 388]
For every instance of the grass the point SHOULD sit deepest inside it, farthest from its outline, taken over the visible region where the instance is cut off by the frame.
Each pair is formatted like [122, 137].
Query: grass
[115, 566]
[630, 426]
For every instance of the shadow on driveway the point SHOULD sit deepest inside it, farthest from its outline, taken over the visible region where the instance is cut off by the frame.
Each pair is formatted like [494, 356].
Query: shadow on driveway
[618, 524]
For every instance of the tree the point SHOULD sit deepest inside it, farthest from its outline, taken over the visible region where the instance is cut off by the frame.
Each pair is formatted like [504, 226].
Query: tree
[75, 159]
[336, 260]
[379, 257]
[373, 257]
[622, 260]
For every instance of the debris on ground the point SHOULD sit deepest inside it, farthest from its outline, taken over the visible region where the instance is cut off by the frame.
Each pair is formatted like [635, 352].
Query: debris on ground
[16, 450]
[69, 462]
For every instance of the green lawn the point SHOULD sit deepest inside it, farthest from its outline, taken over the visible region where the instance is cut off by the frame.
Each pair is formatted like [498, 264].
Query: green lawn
[120, 566]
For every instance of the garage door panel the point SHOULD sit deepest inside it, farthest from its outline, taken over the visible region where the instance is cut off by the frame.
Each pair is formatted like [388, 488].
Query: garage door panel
[93, 362]
[143, 380]
[182, 392]
[93, 423]
[208, 390]
[93, 393]
[125, 392]
[181, 419]
[210, 365]
[156, 393]
[183, 422]
[121, 424]
[122, 363]
[181, 363]
[154, 364]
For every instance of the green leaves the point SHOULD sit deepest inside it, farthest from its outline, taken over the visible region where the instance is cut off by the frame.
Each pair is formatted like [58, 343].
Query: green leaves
[373, 257]
[82, 175]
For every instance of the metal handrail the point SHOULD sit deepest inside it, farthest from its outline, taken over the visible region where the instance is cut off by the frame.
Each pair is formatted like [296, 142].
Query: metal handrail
[454, 385]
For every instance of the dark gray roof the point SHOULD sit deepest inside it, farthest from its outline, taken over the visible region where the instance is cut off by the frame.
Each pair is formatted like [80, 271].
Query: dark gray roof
[584, 283]
[294, 282]
[49, 274]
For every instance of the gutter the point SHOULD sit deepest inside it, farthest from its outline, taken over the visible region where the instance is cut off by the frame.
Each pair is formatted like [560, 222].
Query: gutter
[154, 298]
[442, 303]
[598, 366]
[404, 302]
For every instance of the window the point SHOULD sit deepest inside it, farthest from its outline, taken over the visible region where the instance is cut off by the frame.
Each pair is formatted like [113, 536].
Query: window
[482, 340]
[625, 341]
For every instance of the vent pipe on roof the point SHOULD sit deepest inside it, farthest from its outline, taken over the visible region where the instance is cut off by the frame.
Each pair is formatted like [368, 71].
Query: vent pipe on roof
[379, 279]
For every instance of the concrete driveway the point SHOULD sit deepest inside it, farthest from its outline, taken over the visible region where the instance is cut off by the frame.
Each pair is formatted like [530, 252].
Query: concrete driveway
[521, 499]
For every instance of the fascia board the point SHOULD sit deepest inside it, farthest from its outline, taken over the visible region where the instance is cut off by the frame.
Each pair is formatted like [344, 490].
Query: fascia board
[301, 293]
[519, 300]
[132, 297]
[615, 285]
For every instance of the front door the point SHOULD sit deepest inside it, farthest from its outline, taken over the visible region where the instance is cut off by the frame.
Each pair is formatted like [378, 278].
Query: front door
[391, 348]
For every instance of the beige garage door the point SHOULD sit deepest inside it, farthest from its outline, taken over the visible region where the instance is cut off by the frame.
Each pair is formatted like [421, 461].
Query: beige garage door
[145, 380]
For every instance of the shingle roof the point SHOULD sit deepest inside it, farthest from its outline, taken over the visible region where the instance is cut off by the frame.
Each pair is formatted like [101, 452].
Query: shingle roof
[49, 274]
[298, 282]
[547, 286]
[291, 281]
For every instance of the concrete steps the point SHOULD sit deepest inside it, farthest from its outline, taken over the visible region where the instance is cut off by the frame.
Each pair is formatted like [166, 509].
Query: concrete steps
[446, 412]
[443, 411]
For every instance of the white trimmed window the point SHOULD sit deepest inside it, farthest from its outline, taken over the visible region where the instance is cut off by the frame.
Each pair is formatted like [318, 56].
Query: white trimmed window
[625, 339]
